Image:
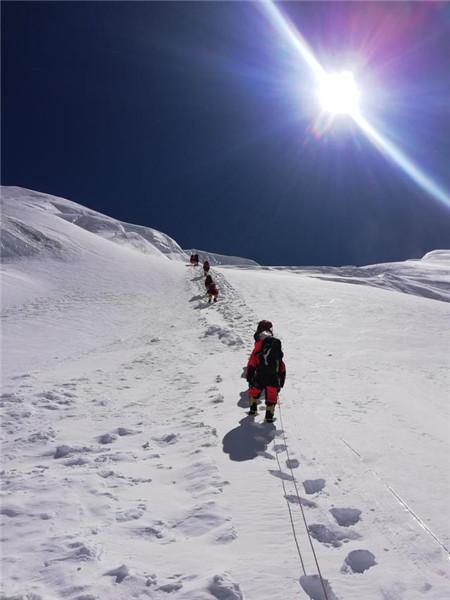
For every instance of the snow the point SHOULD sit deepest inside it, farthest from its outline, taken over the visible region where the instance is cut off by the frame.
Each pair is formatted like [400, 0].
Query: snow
[222, 259]
[129, 466]
[23, 239]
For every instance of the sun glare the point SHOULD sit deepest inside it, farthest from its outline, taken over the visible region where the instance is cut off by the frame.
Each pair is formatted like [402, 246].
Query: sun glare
[338, 94]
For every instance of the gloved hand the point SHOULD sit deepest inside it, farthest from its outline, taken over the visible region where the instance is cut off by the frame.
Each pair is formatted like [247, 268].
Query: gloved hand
[282, 378]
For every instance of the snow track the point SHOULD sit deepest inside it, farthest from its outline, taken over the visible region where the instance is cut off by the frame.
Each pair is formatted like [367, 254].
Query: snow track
[252, 440]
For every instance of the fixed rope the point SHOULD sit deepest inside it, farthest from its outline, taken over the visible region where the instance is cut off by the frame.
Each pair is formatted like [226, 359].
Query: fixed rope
[292, 520]
[300, 505]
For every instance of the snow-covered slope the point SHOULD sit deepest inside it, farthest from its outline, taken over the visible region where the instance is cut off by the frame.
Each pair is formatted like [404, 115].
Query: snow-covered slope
[222, 259]
[428, 277]
[131, 470]
[21, 238]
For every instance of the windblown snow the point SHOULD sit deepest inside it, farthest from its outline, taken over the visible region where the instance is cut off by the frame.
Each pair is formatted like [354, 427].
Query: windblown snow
[130, 468]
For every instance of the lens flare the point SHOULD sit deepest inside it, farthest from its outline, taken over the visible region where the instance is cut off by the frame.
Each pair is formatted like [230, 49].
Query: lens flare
[336, 106]
[338, 94]
[398, 157]
[294, 36]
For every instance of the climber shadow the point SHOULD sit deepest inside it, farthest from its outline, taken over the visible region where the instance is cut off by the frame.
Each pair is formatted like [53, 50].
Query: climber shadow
[198, 297]
[203, 305]
[249, 440]
[197, 278]
[243, 400]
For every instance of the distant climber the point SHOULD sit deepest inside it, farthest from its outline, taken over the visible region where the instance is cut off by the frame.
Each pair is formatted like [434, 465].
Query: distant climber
[266, 371]
[206, 267]
[195, 260]
[212, 292]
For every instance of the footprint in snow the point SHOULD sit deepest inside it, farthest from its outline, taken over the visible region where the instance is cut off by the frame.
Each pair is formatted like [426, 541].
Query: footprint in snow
[125, 431]
[48, 396]
[279, 448]
[79, 551]
[346, 516]
[41, 436]
[167, 440]
[63, 450]
[227, 536]
[10, 512]
[314, 588]
[226, 336]
[281, 475]
[217, 399]
[9, 398]
[76, 461]
[201, 520]
[116, 457]
[130, 515]
[154, 530]
[170, 587]
[119, 573]
[330, 537]
[223, 587]
[106, 438]
[298, 500]
[312, 486]
[358, 561]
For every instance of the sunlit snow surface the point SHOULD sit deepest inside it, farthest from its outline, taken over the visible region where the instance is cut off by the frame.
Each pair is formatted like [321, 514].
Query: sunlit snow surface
[428, 277]
[129, 466]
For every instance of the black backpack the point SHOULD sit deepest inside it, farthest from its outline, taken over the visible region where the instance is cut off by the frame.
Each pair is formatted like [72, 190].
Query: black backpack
[270, 354]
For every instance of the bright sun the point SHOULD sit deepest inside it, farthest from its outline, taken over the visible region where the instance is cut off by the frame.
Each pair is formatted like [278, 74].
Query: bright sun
[338, 94]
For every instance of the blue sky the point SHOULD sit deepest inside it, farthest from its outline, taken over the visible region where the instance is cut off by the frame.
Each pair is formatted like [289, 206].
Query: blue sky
[199, 119]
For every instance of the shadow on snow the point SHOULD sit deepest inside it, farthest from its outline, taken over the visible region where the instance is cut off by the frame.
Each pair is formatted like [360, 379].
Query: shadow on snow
[248, 440]
[243, 400]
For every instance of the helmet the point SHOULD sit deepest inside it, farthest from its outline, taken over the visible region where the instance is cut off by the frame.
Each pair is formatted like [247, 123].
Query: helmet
[264, 326]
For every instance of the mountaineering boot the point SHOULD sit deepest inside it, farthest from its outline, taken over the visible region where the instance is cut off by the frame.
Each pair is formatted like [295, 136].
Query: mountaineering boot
[270, 409]
[253, 408]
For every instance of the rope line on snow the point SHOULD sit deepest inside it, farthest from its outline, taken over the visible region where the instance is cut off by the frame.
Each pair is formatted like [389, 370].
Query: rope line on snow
[300, 503]
[399, 499]
[292, 519]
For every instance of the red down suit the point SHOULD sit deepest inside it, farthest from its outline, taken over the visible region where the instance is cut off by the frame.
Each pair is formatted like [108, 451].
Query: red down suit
[263, 375]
